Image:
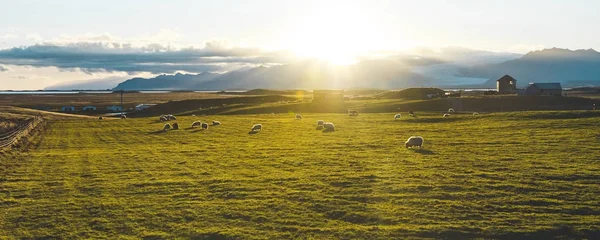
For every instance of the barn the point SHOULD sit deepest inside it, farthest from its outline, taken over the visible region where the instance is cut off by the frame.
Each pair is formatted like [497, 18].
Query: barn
[554, 89]
[506, 85]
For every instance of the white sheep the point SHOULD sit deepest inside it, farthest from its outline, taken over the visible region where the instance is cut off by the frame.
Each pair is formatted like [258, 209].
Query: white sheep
[196, 124]
[256, 127]
[414, 141]
[215, 123]
[475, 113]
[167, 127]
[100, 118]
[397, 116]
[329, 126]
[171, 117]
[123, 116]
[451, 110]
[163, 118]
[204, 125]
[320, 123]
[352, 113]
[175, 126]
[298, 116]
[446, 115]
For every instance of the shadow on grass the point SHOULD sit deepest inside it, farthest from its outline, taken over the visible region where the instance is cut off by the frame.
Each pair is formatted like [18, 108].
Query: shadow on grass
[326, 130]
[422, 151]
[253, 132]
[158, 132]
[434, 120]
[319, 128]
[558, 232]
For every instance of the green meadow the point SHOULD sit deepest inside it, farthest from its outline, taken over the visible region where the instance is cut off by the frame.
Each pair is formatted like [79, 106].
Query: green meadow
[501, 175]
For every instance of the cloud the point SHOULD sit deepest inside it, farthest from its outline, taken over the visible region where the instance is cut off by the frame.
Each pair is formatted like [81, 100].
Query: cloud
[9, 36]
[105, 56]
[34, 37]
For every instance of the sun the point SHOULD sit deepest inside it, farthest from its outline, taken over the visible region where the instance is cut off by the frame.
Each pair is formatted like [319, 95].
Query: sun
[338, 33]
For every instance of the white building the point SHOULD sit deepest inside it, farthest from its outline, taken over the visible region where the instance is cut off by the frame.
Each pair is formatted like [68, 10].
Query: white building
[114, 108]
[89, 108]
[67, 109]
[143, 106]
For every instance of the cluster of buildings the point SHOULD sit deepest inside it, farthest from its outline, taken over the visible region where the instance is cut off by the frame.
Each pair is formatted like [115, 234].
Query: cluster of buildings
[508, 85]
[113, 108]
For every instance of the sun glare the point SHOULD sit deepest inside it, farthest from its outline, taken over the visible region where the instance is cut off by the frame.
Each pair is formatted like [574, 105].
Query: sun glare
[337, 33]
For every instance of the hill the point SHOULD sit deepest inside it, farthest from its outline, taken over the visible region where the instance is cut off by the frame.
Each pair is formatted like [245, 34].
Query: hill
[413, 93]
[571, 68]
[201, 106]
[278, 104]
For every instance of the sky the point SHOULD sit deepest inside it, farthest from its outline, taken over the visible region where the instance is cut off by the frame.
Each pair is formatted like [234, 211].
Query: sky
[238, 33]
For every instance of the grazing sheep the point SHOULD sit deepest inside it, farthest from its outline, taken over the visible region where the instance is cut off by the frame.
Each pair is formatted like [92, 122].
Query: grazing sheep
[100, 118]
[397, 116]
[215, 123]
[175, 126]
[451, 110]
[193, 115]
[163, 118]
[256, 128]
[320, 123]
[123, 116]
[298, 116]
[446, 115]
[329, 126]
[475, 113]
[352, 113]
[167, 127]
[414, 141]
[204, 125]
[171, 117]
[196, 124]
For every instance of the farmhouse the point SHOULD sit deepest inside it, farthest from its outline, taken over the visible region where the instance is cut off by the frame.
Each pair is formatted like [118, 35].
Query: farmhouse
[328, 95]
[554, 89]
[67, 109]
[143, 106]
[114, 108]
[506, 85]
[89, 108]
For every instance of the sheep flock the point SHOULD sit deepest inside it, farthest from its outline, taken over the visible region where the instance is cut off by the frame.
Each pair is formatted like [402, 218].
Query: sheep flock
[412, 142]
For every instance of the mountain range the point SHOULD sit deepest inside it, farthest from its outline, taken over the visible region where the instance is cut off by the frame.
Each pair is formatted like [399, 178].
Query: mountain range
[454, 67]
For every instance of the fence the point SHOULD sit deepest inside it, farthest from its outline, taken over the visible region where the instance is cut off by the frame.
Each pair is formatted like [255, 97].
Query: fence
[12, 136]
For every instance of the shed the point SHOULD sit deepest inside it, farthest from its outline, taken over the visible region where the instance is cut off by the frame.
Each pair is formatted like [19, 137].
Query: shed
[554, 89]
[89, 108]
[114, 108]
[506, 85]
[67, 109]
[143, 106]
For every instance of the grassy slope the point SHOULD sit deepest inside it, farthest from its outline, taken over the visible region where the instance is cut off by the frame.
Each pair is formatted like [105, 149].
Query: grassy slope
[479, 104]
[500, 175]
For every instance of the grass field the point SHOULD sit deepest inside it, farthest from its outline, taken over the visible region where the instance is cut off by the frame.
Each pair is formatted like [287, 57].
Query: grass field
[503, 175]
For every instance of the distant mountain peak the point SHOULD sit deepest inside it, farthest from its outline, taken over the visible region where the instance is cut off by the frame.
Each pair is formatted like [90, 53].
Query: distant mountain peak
[562, 52]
